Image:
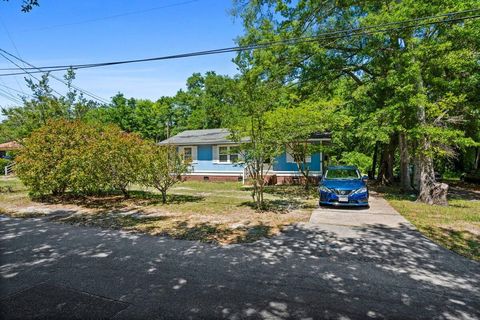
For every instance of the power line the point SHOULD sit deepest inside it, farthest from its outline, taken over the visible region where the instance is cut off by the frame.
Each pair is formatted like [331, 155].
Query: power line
[17, 91]
[8, 93]
[87, 93]
[14, 46]
[339, 34]
[29, 73]
[9, 96]
[113, 16]
[322, 36]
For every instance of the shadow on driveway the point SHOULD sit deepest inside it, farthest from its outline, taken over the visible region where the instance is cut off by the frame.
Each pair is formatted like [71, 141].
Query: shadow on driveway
[370, 272]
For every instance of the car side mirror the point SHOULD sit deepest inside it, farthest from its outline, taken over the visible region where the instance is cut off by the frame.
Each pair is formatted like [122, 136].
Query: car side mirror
[365, 178]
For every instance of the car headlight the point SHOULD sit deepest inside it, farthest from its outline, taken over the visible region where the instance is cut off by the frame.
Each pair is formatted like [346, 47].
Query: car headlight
[361, 190]
[325, 189]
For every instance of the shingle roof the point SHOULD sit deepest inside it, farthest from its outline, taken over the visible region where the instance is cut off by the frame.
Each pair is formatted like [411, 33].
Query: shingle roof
[205, 136]
[10, 145]
[216, 136]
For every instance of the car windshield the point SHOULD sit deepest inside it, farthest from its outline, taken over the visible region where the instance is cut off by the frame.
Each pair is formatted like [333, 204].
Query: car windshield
[338, 174]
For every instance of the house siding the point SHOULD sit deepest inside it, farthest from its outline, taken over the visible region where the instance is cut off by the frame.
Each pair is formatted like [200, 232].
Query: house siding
[205, 164]
[281, 164]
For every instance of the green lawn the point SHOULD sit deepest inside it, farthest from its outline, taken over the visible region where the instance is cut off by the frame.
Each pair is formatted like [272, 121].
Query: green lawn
[456, 227]
[206, 211]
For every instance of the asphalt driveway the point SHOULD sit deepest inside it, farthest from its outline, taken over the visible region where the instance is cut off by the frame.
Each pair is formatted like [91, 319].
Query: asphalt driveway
[325, 269]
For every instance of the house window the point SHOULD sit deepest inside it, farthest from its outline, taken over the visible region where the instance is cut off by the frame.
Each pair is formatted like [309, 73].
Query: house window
[187, 154]
[227, 154]
[293, 157]
[223, 154]
[234, 154]
[298, 157]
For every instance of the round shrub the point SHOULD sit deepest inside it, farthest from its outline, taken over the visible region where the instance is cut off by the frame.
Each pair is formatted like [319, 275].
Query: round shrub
[77, 157]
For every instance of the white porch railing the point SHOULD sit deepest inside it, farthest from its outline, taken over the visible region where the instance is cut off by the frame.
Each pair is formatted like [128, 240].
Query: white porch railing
[9, 169]
[267, 169]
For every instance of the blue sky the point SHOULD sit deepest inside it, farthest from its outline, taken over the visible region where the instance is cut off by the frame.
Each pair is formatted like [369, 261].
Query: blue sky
[57, 32]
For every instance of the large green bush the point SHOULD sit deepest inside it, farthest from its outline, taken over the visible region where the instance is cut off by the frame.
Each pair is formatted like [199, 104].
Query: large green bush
[77, 157]
[116, 158]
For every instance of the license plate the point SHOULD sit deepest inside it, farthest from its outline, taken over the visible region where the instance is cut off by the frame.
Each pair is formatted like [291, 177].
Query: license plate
[343, 198]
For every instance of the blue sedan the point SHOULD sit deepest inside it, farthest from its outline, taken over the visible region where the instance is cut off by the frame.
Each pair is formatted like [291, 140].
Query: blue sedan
[343, 186]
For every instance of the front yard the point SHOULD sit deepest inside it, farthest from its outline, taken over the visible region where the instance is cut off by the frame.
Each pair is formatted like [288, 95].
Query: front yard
[456, 227]
[223, 212]
[211, 212]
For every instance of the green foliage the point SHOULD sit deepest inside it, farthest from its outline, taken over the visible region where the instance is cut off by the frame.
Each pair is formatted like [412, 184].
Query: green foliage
[162, 168]
[28, 5]
[77, 157]
[207, 103]
[21, 121]
[292, 127]
[258, 143]
[362, 161]
[52, 156]
[3, 164]
[420, 81]
[116, 158]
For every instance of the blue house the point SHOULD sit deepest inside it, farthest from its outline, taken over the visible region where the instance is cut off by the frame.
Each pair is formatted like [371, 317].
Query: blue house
[215, 157]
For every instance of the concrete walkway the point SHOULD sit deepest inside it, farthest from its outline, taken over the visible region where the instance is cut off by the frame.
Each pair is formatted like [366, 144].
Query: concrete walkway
[361, 267]
[380, 213]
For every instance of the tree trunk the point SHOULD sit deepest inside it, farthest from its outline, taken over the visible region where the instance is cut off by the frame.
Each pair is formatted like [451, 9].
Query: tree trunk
[305, 171]
[125, 192]
[430, 191]
[405, 183]
[477, 159]
[257, 174]
[259, 186]
[416, 173]
[164, 196]
[385, 173]
[374, 161]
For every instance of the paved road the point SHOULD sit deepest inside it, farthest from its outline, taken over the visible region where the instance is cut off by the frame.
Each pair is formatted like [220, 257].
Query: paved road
[323, 269]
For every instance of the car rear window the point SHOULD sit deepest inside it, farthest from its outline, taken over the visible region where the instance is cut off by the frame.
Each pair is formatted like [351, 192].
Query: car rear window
[342, 174]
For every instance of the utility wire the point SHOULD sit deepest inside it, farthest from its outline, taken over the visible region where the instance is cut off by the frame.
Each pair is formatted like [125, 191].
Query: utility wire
[113, 16]
[9, 96]
[9, 93]
[339, 34]
[14, 46]
[322, 36]
[27, 72]
[17, 91]
[85, 92]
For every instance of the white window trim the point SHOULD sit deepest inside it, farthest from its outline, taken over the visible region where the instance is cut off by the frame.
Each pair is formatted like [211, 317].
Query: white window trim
[291, 159]
[216, 154]
[194, 152]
